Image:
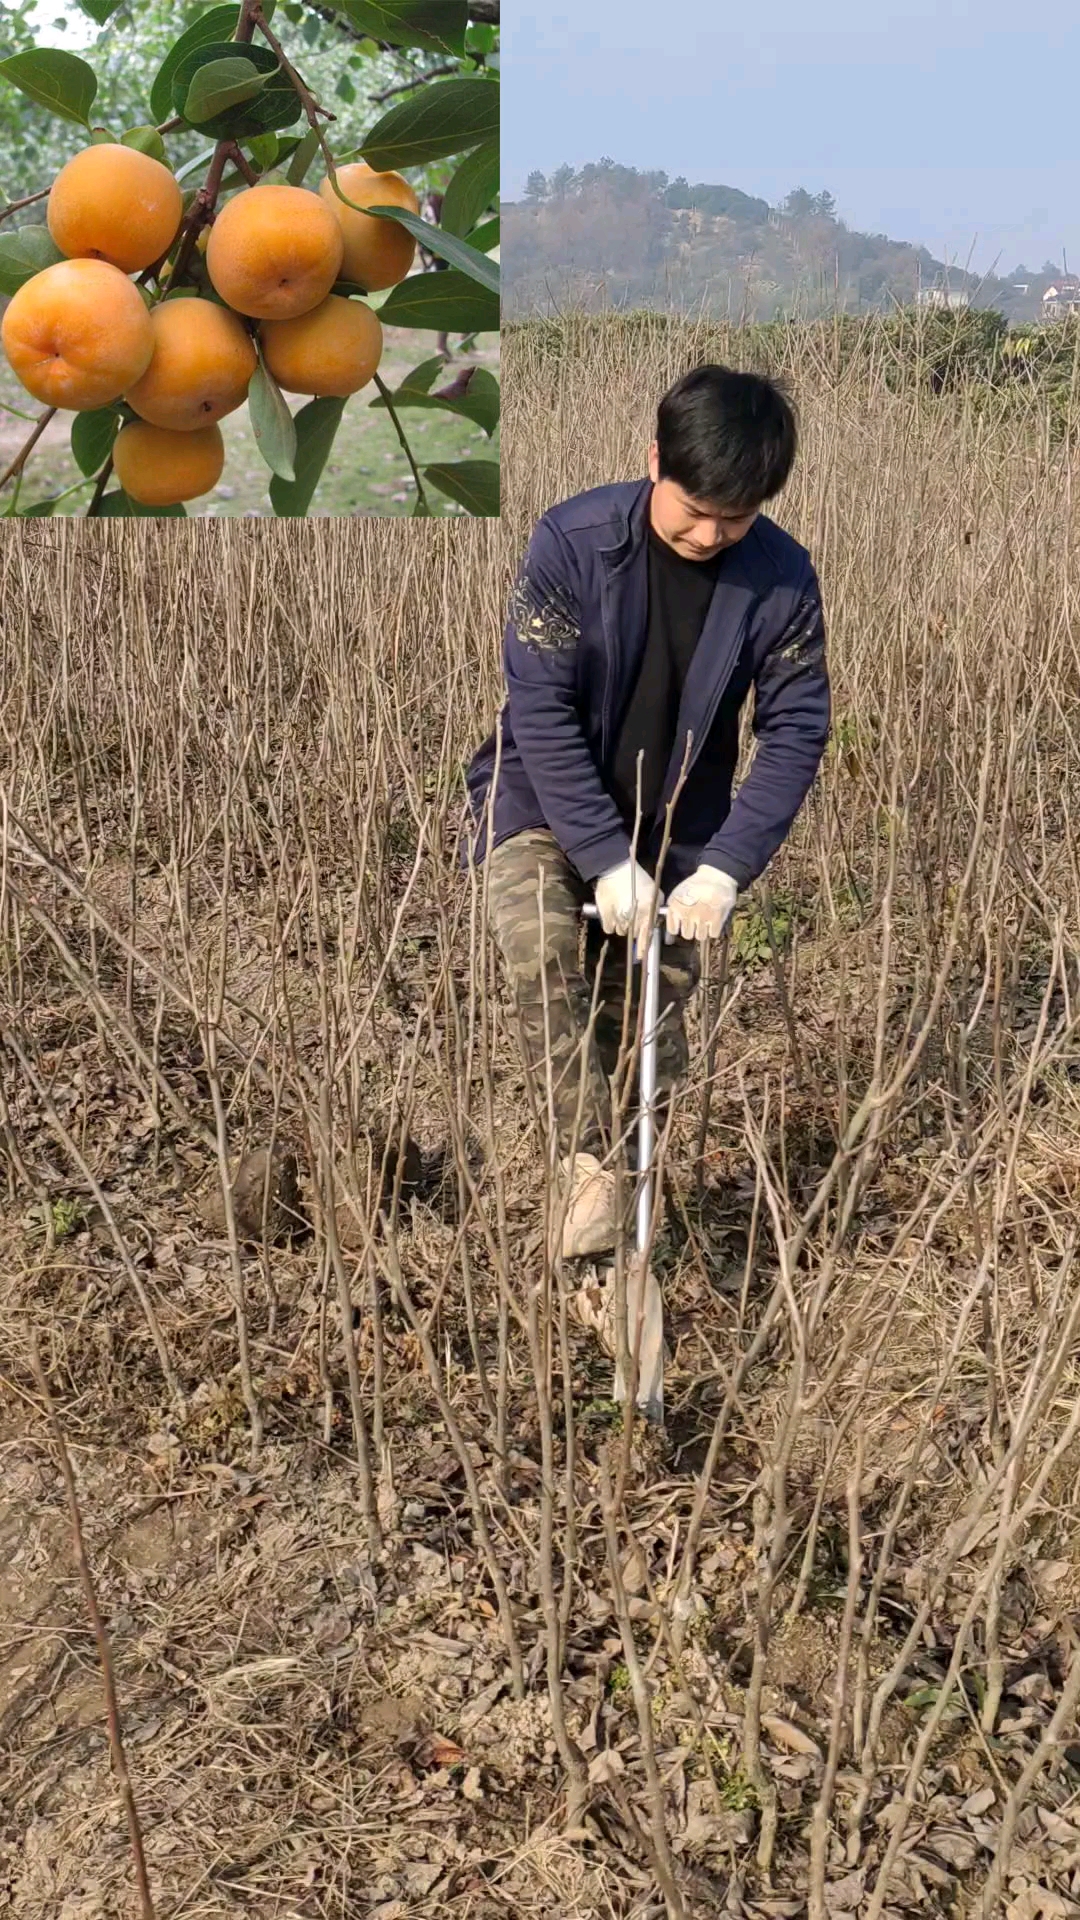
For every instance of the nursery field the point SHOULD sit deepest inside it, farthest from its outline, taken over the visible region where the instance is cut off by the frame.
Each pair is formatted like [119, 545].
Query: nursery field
[403, 1618]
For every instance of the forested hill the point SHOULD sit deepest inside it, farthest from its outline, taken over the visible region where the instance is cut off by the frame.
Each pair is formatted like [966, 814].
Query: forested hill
[617, 236]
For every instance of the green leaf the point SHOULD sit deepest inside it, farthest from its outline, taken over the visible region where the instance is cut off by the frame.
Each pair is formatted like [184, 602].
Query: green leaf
[92, 436]
[264, 150]
[276, 105]
[271, 422]
[145, 140]
[23, 253]
[100, 10]
[446, 117]
[220, 84]
[480, 37]
[437, 24]
[486, 237]
[345, 89]
[472, 190]
[41, 509]
[446, 245]
[316, 424]
[922, 1697]
[449, 301]
[473, 483]
[286, 147]
[198, 165]
[421, 378]
[303, 157]
[479, 401]
[216, 25]
[119, 505]
[59, 81]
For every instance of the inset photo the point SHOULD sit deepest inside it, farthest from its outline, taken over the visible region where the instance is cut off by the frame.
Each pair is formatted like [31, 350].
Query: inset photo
[249, 259]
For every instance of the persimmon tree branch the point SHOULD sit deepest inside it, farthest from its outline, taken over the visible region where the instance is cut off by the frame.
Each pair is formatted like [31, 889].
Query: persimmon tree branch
[99, 489]
[307, 98]
[389, 405]
[417, 80]
[243, 164]
[27, 447]
[16, 205]
[484, 12]
[202, 208]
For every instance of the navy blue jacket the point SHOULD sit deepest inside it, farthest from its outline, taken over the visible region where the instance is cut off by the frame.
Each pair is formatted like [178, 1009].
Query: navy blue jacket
[572, 647]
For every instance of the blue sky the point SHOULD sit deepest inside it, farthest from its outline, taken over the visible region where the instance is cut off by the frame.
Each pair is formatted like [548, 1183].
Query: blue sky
[950, 122]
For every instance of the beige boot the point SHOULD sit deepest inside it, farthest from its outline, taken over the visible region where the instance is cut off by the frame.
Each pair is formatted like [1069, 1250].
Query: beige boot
[589, 1226]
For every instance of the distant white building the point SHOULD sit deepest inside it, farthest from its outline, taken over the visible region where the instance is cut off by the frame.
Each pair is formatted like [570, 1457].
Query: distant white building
[1062, 299]
[942, 297]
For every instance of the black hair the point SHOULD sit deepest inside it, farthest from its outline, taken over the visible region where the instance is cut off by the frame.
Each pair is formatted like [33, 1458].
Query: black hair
[727, 438]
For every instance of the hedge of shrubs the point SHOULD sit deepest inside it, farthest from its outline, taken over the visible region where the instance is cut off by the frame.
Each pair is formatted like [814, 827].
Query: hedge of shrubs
[1034, 367]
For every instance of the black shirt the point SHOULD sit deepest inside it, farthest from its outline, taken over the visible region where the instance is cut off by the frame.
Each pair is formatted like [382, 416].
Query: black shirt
[679, 594]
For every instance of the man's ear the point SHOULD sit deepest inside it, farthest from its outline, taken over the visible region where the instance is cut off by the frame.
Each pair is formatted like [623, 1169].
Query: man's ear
[654, 463]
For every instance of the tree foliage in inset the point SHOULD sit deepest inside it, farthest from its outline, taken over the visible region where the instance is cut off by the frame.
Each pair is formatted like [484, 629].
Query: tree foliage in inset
[233, 95]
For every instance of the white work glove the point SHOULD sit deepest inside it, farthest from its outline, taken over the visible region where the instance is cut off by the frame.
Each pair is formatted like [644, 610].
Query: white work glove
[624, 899]
[700, 907]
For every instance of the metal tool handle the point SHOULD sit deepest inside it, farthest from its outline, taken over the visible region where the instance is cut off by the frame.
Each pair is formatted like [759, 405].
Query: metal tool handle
[647, 1109]
[643, 1292]
[592, 912]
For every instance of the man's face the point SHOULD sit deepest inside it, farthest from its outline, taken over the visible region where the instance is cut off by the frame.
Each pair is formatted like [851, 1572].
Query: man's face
[697, 529]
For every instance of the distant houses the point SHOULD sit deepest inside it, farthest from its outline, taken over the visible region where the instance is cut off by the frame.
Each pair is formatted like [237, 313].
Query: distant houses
[1062, 298]
[953, 299]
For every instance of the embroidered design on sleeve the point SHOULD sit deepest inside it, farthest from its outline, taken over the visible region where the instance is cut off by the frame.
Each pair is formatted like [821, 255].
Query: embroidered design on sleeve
[544, 622]
[803, 648]
[807, 643]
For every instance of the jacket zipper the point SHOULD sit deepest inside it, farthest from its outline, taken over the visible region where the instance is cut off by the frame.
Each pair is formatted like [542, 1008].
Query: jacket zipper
[605, 716]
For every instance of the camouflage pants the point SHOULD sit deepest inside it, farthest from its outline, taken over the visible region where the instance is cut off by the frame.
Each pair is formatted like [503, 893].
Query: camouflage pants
[553, 991]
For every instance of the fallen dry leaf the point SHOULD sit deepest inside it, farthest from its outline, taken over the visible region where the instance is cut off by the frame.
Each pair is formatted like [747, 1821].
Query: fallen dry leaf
[978, 1803]
[1038, 1903]
[844, 1896]
[787, 1734]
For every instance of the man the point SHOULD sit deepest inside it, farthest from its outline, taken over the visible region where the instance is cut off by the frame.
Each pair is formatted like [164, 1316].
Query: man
[642, 615]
